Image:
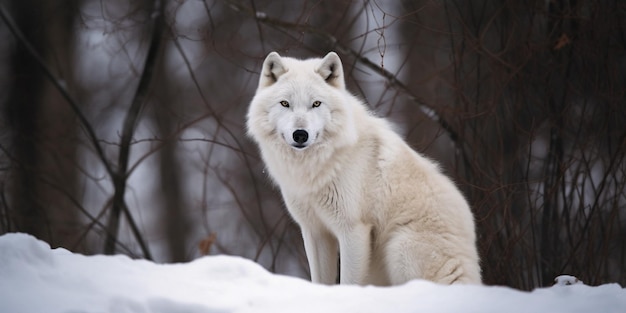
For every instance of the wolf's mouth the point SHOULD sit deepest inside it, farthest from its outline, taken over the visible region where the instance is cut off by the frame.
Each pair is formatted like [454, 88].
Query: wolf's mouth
[299, 146]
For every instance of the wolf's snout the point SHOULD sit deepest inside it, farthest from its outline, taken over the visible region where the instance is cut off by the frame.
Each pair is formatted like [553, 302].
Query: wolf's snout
[300, 136]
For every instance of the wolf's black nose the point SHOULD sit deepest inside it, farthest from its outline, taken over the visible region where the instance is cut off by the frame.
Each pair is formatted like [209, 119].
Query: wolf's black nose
[300, 136]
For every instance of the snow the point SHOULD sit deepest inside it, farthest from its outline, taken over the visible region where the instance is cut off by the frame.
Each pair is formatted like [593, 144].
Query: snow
[36, 278]
[564, 280]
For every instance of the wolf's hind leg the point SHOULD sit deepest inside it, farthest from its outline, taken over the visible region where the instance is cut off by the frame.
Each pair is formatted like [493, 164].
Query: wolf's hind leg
[424, 258]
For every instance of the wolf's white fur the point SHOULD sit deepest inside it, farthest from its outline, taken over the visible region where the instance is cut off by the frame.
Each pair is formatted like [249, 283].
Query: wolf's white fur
[354, 186]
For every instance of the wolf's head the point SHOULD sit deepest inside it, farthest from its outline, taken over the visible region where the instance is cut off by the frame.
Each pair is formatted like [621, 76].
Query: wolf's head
[301, 103]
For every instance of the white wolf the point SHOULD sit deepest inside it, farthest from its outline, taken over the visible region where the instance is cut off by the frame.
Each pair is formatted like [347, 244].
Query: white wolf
[353, 185]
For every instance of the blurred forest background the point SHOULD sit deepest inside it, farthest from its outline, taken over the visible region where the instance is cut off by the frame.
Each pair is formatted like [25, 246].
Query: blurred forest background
[122, 122]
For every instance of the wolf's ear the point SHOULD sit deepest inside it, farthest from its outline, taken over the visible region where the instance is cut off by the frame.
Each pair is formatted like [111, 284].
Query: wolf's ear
[331, 70]
[273, 67]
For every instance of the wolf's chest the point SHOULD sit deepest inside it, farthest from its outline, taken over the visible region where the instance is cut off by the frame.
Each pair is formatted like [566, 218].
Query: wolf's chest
[338, 202]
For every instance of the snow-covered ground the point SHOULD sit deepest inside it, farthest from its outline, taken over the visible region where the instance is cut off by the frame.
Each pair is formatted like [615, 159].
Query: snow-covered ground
[35, 278]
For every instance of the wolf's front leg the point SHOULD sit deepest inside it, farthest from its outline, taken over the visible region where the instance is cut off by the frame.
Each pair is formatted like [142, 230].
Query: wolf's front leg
[321, 252]
[354, 254]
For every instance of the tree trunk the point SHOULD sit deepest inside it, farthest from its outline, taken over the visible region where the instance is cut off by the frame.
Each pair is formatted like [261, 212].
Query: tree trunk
[42, 144]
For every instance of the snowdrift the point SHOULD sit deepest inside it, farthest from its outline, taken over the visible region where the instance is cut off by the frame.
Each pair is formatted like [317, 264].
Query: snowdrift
[35, 278]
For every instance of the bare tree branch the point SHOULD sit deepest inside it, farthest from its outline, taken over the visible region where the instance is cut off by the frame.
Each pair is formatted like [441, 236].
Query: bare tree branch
[132, 116]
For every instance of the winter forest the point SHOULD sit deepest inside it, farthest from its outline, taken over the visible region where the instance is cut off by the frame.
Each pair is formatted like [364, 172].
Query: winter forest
[122, 129]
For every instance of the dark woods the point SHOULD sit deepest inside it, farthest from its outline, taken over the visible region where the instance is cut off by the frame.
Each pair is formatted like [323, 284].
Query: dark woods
[123, 123]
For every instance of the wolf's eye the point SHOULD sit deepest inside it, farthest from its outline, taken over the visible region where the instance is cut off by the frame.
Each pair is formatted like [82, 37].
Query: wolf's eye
[316, 103]
[284, 103]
